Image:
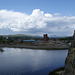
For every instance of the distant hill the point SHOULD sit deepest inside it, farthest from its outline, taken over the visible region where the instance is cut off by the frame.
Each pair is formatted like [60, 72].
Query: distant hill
[22, 36]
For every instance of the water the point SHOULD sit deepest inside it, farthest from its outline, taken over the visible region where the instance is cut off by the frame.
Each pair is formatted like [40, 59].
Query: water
[16, 61]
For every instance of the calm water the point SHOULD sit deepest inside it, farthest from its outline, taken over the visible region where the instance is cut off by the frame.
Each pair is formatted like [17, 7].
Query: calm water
[16, 61]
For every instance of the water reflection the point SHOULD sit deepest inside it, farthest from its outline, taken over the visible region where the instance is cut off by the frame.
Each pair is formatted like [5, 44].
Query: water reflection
[16, 61]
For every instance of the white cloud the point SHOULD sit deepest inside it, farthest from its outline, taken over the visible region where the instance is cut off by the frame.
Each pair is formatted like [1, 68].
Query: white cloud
[37, 23]
[57, 14]
[48, 15]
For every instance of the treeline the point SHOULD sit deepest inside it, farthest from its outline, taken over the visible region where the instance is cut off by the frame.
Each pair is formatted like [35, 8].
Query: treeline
[12, 38]
[65, 39]
[5, 40]
[68, 39]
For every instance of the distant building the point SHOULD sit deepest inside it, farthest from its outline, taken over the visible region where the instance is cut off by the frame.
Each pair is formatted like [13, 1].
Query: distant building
[45, 37]
[17, 41]
[29, 41]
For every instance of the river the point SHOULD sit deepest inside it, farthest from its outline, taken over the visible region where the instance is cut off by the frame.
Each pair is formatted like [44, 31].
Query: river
[17, 61]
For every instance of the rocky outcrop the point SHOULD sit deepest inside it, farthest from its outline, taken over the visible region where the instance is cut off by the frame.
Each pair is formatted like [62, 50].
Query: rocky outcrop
[70, 60]
[70, 63]
[1, 50]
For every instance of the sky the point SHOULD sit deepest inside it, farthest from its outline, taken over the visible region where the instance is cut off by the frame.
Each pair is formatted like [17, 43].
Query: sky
[37, 17]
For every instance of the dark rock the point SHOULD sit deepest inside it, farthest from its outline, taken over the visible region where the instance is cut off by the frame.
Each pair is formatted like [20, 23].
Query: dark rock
[1, 50]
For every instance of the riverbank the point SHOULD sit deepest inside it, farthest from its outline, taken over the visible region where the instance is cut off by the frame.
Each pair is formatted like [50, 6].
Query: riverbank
[43, 47]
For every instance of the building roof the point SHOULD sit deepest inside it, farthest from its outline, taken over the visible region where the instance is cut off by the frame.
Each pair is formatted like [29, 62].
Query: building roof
[28, 40]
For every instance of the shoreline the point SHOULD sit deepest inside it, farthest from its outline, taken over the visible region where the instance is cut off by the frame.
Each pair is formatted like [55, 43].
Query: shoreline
[46, 47]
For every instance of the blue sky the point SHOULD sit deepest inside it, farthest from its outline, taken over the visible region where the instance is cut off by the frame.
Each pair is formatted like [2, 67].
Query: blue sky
[54, 17]
[65, 7]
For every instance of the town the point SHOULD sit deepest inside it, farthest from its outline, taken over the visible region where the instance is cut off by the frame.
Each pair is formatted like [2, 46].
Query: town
[34, 42]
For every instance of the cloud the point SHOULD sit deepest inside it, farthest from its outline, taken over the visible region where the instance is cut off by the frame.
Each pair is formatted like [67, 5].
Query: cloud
[37, 22]
[48, 15]
[57, 14]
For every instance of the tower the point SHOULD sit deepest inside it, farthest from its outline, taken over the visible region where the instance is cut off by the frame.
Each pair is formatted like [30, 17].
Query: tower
[45, 37]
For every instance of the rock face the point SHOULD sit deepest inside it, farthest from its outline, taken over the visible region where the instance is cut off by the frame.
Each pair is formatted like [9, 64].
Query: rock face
[70, 63]
[70, 60]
